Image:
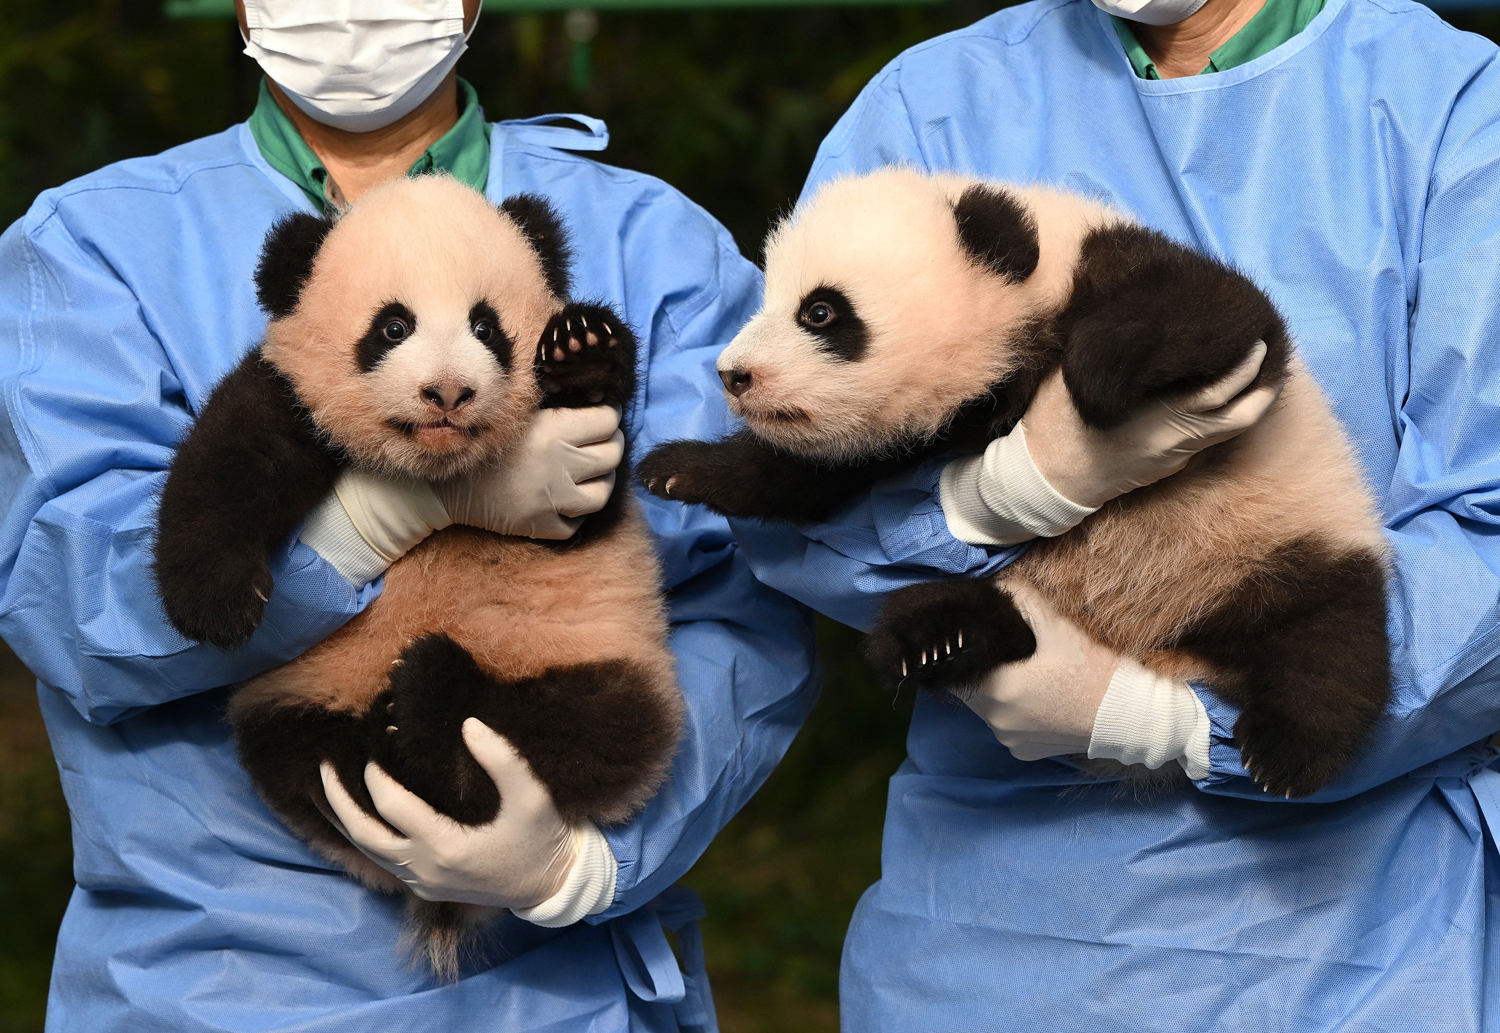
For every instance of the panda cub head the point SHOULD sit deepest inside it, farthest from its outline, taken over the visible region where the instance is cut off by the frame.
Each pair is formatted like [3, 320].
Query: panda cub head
[407, 324]
[891, 299]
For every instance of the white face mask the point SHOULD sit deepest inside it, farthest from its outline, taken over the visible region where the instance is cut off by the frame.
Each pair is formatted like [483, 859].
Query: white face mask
[1151, 12]
[356, 64]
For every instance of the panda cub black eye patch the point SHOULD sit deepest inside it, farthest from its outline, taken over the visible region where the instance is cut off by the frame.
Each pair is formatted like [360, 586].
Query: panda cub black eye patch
[827, 314]
[484, 324]
[393, 324]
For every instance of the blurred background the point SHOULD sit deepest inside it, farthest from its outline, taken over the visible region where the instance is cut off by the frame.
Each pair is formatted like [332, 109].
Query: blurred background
[728, 105]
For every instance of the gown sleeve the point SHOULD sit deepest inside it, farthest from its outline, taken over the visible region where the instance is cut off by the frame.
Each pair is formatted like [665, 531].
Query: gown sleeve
[746, 659]
[93, 411]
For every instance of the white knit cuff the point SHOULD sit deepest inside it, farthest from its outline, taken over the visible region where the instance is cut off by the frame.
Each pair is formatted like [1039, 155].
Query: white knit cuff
[1148, 718]
[370, 521]
[1000, 498]
[589, 888]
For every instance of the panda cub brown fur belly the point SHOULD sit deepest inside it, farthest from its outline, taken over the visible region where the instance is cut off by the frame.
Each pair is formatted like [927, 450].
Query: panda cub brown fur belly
[417, 336]
[907, 316]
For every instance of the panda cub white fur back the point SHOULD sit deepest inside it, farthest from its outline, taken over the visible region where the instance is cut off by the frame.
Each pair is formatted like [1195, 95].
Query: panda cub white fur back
[908, 316]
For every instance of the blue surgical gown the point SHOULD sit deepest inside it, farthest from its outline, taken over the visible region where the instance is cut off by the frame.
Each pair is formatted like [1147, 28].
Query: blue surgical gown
[1355, 173]
[124, 297]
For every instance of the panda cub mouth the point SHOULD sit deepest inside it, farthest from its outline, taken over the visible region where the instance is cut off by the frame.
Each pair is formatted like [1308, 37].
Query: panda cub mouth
[411, 429]
[781, 416]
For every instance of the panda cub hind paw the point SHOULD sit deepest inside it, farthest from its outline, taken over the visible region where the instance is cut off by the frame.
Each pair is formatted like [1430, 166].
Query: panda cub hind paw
[1287, 757]
[416, 728]
[586, 356]
[945, 636]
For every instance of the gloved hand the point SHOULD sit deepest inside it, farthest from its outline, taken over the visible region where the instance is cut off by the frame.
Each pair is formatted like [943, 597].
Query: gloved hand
[1052, 471]
[1090, 466]
[528, 859]
[1075, 695]
[563, 470]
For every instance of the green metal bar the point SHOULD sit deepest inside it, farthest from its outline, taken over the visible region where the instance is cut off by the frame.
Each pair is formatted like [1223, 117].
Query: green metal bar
[225, 8]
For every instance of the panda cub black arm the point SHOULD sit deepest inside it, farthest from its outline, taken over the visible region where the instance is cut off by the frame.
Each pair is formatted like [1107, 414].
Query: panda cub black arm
[1150, 318]
[245, 477]
[742, 476]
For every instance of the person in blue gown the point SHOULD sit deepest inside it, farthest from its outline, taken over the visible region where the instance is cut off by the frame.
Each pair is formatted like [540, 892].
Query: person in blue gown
[1346, 155]
[124, 297]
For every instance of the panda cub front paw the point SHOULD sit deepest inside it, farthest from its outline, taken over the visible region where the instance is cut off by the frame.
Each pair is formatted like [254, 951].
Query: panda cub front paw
[586, 357]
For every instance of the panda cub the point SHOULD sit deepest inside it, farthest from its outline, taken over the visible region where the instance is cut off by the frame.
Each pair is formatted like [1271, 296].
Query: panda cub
[908, 316]
[416, 335]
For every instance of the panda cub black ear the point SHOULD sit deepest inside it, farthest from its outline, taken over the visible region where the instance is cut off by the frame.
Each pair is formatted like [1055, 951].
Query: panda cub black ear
[286, 261]
[998, 232]
[543, 227]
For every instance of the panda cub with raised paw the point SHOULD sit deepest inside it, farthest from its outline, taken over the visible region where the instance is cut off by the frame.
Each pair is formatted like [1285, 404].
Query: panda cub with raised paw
[417, 335]
[909, 315]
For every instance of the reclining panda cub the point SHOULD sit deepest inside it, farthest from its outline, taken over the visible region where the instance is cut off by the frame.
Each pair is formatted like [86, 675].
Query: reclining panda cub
[416, 336]
[908, 316]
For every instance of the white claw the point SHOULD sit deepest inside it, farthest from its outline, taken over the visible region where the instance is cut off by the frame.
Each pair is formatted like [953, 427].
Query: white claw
[397, 662]
[584, 321]
[391, 728]
[948, 647]
[570, 325]
[960, 640]
[554, 333]
[608, 330]
[924, 658]
[903, 668]
[259, 594]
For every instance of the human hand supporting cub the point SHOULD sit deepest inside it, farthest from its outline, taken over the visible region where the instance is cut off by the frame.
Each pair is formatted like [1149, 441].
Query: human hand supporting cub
[1052, 470]
[1074, 695]
[560, 472]
[528, 859]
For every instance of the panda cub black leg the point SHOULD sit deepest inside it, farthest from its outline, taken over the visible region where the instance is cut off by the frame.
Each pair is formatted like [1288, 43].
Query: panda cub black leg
[586, 357]
[946, 635]
[597, 735]
[416, 729]
[1150, 318]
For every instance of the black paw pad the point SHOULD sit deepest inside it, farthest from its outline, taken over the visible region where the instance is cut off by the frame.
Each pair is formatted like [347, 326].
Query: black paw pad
[586, 357]
[416, 728]
[947, 635]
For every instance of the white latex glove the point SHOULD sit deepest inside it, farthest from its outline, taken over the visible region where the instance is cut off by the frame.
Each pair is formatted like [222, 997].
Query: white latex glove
[563, 470]
[1090, 467]
[1052, 471]
[528, 859]
[1075, 695]
[1044, 706]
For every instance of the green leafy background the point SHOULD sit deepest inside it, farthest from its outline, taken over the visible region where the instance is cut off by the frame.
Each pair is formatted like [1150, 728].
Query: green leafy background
[727, 106]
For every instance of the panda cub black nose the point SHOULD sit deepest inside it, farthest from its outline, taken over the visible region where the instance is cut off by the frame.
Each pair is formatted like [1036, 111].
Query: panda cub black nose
[736, 381]
[447, 397]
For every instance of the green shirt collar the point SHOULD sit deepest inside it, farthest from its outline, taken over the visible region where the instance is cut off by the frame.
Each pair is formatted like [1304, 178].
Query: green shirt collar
[1274, 24]
[463, 151]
